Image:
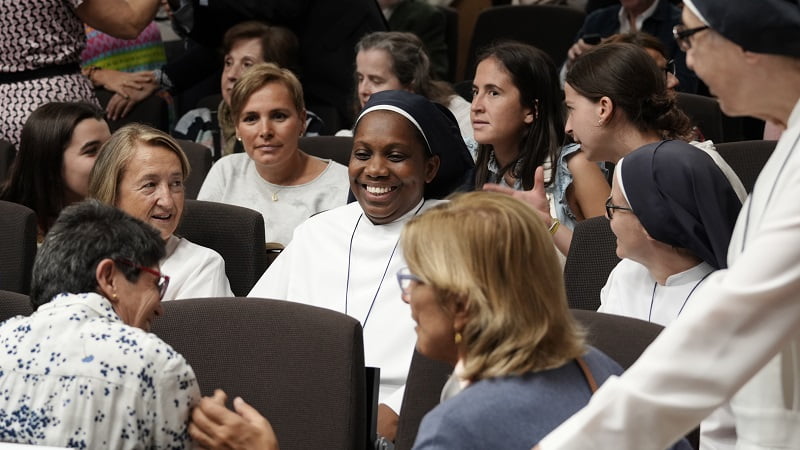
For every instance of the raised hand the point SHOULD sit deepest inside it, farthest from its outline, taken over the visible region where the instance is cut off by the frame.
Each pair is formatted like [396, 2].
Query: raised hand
[536, 197]
[214, 426]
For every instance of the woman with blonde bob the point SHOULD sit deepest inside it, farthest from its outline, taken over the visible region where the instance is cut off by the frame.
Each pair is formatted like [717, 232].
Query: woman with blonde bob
[142, 171]
[274, 176]
[486, 290]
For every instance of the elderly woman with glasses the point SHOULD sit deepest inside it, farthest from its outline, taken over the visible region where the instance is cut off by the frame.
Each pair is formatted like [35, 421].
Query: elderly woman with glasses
[142, 171]
[673, 212]
[83, 371]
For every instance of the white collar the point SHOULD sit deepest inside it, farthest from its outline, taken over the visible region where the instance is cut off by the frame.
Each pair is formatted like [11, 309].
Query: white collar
[171, 245]
[92, 300]
[455, 384]
[690, 275]
[624, 24]
[400, 220]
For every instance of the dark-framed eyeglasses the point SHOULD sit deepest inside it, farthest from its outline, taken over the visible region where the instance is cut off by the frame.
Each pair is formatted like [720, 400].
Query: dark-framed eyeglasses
[610, 207]
[162, 281]
[682, 35]
[404, 279]
[669, 68]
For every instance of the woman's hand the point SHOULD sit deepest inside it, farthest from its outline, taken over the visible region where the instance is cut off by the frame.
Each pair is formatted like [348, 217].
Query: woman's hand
[214, 426]
[387, 422]
[123, 83]
[536, 197]
[131, 93]
[578, 49]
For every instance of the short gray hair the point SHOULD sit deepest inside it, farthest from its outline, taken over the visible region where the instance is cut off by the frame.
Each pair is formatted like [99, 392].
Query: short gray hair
[82, 236]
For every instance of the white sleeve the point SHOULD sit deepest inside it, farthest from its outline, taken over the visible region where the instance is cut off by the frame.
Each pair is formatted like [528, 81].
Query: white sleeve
[395, 401]
[213, 188]
[274, 283]
[176, 394]
[605, 291]
[216, 278]
[748, 313]
[208, 279]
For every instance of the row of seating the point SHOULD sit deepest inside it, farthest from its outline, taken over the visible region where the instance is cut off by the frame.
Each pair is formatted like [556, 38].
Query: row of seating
[548, 27]
[703, 111]
[552, 28]
[336, 148]
[230, 230]
[235, 231]
[303, 366]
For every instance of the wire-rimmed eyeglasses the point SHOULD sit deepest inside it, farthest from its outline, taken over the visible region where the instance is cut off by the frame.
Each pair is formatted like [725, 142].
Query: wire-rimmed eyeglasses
[162, 281]
[404, 279]
[682, 35]
[610, 207]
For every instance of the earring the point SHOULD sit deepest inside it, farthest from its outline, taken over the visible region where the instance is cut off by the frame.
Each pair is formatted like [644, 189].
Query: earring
[114, 296]
[239, 138]
[457, 338]
[600, 123]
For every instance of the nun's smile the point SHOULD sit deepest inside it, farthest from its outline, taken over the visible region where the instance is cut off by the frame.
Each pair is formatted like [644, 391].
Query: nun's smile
[389, 166]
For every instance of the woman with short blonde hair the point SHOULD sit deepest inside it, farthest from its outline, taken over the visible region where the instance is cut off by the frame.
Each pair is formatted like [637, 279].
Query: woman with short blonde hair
[274, 176]
[259, 76]
[517, 322]
[485, 287]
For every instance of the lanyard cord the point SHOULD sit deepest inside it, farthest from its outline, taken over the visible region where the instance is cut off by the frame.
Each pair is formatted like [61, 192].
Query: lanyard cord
[653, 297]
[385, 270]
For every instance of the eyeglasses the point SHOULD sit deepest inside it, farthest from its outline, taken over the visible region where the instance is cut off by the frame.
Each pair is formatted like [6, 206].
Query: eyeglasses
[610, 207]
[163, 280]
[404, 279]
[669, 68]
[682, 35]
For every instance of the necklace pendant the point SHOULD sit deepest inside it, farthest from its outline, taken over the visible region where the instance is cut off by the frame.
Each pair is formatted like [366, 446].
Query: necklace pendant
[274, 196]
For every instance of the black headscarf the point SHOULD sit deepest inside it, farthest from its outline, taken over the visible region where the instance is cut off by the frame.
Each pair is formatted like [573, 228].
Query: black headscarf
[681, 197]
[440, 131]
[762, 26]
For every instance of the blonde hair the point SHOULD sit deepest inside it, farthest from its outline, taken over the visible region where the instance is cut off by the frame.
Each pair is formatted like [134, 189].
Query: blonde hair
[494, 252]
[118, 151]
[258, 76]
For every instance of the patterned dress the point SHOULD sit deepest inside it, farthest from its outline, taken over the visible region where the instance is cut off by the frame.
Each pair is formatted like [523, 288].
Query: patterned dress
[35, 34]
[74, 375]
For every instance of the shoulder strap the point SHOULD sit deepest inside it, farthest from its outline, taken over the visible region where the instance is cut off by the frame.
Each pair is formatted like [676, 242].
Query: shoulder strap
[587, 373]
